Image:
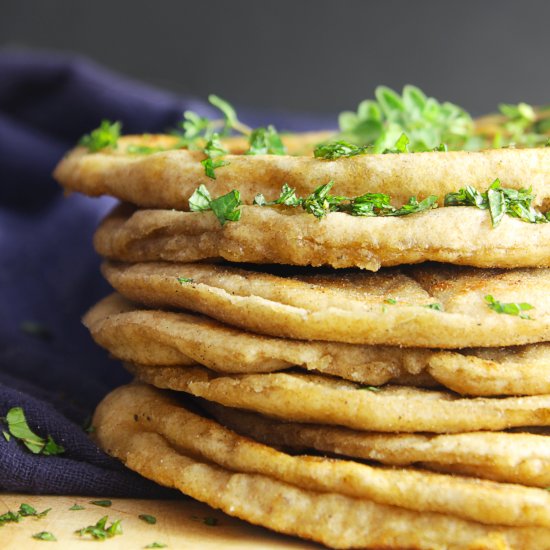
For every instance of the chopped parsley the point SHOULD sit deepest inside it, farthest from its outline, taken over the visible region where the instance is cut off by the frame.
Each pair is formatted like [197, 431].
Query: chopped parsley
[321, 202]
[144, 149]
[44, 535]
[106, 136]
[102, 503]
[156, 545]
[19, 429]
[148, 518]
[511, 308]
[183, 280]
[101, 531]
[210, 165]
[391, 301]
[337, 149]
[370, 388]
[435, 306]
[225, 208]
[76, 507]
[25, 510]
[499, 200]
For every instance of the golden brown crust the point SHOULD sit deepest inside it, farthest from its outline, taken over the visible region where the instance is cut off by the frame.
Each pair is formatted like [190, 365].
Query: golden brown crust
[323, 400]
[143, 428]
[167, 179]
[164, 338]
[283, 235]
[352, 306]
[511, 457]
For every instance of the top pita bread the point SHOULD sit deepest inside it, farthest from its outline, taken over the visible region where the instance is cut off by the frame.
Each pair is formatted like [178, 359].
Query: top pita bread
[167, 179]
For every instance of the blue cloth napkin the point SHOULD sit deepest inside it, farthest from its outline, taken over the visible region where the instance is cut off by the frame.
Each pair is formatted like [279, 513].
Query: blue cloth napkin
[49, 273]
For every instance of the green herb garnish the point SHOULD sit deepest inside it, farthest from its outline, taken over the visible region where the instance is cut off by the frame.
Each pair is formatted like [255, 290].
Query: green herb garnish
[435, 306]
[100, 531]
[183, 280]
[426, 123]
[102, 503]
[321, 202]
[391, 301]
[44, 535]
[369, 388]
[511, 308]
[106, 136]
[20, 430]
[265, 141]
[144, 149]
[76, 507]
[156, 545]
[38, 330]
[210, 165]
[148, 519]
[226, 207]
[337, 149]
[499, 200]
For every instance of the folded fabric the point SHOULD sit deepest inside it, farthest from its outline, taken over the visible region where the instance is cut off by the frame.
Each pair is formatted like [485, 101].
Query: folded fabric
[49, 274]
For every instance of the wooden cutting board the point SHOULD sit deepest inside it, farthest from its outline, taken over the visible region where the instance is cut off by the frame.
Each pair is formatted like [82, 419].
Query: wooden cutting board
[180, 525]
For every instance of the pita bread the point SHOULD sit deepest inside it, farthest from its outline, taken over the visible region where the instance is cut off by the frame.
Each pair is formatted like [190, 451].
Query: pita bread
[510, 457]
[323, 400]
[351, 306]
[164, 338]
[284, 235]
[167, 179]
[144, 429]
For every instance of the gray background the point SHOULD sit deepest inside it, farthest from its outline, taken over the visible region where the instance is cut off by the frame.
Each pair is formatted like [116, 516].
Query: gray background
[304, 55]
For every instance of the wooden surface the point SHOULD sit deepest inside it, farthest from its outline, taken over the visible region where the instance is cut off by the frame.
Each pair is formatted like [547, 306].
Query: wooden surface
[180, 525]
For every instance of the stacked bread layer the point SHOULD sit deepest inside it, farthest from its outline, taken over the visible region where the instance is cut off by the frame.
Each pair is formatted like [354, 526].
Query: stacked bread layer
[368, 404]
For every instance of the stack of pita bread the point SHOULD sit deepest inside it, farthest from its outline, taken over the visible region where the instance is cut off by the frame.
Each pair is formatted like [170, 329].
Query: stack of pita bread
[328, 378]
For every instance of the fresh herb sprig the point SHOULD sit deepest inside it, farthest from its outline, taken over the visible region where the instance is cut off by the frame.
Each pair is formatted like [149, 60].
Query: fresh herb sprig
[427, 123]
[18, 428]
[106, 136]
[511, 308]
[499, 200]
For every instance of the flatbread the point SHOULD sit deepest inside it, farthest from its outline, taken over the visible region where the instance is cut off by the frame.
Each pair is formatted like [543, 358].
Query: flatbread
[144, 429]
[502, 456]
[323, 400]
[351, 306]
[285, 235]
[164, 338]
[167, 179]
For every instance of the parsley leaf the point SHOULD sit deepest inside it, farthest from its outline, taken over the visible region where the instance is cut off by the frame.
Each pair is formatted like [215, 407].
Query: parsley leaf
[435, 306]
[338, 149]
[210, 165]
[20, 430]
[265, 141]
[156, 545]
[516, 203]
[100, 531]
[104, 503]
[287, 197]
[511, 308]
[106, 136]
[144, 149]
[76, 507]
[200, 199]
[183, 280]
[319, 203]
[226, 207]
[44, 535]
[148, 518]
